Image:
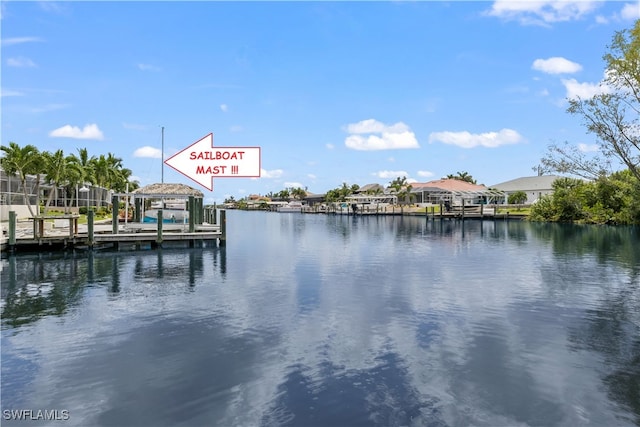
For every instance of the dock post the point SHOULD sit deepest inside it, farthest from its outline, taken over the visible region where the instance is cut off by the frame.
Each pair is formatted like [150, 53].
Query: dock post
[463, 209]
[215, 213]
[482, 210]
[90, 227]
[115, 210]
[440, 210]
[12, 230]
[192, 214]
[159, 237]
[136, 210]
[223, 227]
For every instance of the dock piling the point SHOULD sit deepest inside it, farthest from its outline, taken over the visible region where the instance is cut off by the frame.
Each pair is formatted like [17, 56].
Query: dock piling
[90, 227]
[12, 229]
[223, 227]
[137, 210]
[115, 208]
[159, 236]
[192, 213]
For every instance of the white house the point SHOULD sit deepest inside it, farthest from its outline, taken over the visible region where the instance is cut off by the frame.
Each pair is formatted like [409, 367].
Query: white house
[534, 186]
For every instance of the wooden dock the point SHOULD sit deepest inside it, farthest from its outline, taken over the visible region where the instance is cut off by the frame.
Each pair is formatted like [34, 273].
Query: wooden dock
[109, 235]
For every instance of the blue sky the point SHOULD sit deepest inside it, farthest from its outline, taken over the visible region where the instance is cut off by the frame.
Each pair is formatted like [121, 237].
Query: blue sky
[332, 92]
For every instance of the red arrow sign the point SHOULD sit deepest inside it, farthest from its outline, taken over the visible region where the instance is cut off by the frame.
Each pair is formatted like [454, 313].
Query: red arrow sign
[202, 162]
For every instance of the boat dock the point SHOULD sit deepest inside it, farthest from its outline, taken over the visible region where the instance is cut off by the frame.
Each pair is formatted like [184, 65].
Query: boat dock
[460, 212]
[37, 234]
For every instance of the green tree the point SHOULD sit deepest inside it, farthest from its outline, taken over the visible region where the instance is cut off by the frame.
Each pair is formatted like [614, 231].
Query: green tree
[462, 176]
[612, 116]
[298, 193]
[610, 199]
[284, 194]
[22, 161]
[55, 172]
[402, 189]
[517, 198]
[341, 193]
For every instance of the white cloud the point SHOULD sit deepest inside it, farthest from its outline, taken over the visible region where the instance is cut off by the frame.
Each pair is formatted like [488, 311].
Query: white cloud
[19, 40]
[148, 67]
[148, 152]
[588, 148]
[374, 126]
[275, 173]
[542, 12]
[390, 174]
[224, 107]
[236, 128]
[288, 184]
[425, 174]
[466, 139]
[602, 19]
[88, 132]
[556, 65]
[48, 107]
[630, 11]
[9, 92]
[20, 62]
[330, 146]
[391, 159]
[380, 136]
[311, 176]
[576, 89]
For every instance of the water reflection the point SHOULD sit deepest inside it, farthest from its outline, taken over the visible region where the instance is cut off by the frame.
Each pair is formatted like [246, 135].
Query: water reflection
[39, 285]
[329, 320]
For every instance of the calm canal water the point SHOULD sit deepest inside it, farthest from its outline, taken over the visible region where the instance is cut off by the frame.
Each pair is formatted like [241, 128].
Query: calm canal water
[307, 320]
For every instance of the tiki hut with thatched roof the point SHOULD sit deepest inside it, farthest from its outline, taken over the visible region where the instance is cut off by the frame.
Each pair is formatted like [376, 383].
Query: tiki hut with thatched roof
[172, 198]
[167, 190]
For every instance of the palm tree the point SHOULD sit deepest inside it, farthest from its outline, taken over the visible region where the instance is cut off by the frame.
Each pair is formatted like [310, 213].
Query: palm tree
[81, 168]
[284, 194]
[462, 176]
[75, 174]
[108, 172]
[22, 161]
[55, 166]
[298, 193]
[402, 189]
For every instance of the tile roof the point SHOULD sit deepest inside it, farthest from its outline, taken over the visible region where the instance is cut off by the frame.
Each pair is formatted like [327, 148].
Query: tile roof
[448, 185]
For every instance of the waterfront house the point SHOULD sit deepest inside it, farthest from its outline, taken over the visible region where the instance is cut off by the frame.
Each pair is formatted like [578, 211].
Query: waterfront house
[453, 192]
[68, 199]
[534, 186]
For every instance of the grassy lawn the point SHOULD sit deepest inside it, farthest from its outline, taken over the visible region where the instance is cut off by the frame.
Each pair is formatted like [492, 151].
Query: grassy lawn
[81, 220]
[516, 211]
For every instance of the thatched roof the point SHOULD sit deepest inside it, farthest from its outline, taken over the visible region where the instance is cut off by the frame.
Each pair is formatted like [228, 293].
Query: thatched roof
[167, 190]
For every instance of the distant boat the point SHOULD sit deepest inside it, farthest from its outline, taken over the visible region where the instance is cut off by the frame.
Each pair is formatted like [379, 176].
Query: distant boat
[293, 206]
